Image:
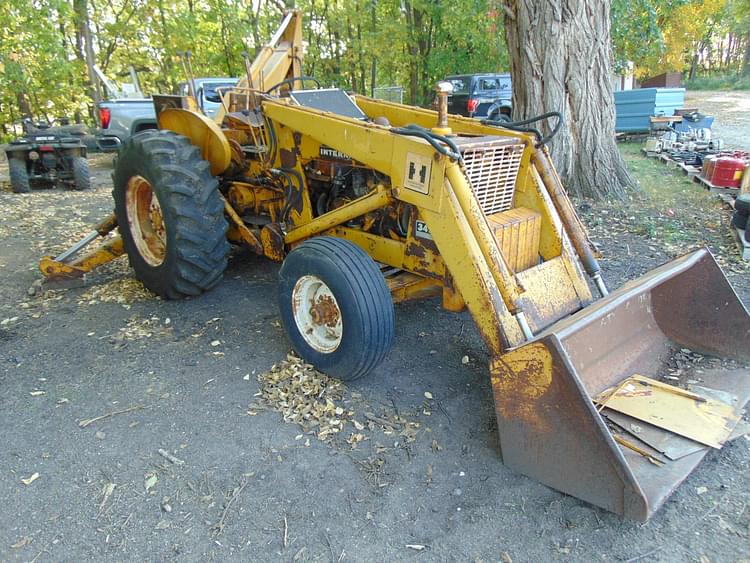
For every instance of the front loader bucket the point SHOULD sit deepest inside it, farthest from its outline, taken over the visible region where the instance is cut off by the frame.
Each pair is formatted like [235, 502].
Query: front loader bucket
[550, 427]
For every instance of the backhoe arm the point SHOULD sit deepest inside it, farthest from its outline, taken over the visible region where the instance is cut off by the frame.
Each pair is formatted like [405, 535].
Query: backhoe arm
[277, 60]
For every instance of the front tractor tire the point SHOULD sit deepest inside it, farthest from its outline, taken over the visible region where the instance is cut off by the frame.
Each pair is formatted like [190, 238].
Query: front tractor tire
[170, 214]
[336, 307]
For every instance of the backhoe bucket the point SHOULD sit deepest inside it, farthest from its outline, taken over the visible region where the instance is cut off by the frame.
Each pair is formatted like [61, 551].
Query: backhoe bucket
[546, 391]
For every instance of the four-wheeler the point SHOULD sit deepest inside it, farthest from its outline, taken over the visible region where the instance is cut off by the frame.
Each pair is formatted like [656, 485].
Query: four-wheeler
[367, 203]
[47, 156]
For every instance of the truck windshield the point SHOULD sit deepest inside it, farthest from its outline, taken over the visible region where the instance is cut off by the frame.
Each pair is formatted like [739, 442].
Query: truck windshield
[209, 90]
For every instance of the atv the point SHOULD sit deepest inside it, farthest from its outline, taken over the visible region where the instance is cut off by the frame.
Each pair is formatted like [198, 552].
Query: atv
[47, 156]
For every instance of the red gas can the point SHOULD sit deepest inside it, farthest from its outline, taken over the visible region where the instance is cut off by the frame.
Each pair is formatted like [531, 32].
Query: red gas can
[727, 172]
[708, 167]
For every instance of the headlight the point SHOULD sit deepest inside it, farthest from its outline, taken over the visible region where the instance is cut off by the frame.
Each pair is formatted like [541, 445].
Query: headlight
[33, 155]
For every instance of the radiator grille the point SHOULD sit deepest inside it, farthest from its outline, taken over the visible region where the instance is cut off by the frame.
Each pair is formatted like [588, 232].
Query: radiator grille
[492, 171]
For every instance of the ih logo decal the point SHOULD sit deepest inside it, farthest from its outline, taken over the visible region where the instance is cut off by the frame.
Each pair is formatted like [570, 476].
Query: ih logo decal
[417, 173]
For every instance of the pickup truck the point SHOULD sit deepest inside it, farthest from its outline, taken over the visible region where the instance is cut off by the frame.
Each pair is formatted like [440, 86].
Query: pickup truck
[122, 117]
[481, 95]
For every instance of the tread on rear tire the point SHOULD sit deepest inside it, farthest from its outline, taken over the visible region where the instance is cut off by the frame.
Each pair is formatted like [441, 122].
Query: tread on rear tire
[194, 249]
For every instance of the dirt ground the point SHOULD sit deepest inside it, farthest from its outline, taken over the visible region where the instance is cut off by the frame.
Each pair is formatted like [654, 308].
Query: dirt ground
[732, 111]
[246, 486]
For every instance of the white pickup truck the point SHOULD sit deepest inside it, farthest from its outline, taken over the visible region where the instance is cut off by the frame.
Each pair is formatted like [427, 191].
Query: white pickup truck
[122, 117]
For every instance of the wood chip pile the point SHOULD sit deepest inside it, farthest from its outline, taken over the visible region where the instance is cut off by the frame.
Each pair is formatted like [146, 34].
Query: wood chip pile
[304, 396]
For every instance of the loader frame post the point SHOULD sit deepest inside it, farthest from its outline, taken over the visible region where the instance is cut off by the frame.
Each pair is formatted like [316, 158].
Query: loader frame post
[561, 201]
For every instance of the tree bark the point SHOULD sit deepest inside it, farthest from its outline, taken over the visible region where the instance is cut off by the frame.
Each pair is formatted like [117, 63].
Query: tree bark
[560, 59]
[84, 31]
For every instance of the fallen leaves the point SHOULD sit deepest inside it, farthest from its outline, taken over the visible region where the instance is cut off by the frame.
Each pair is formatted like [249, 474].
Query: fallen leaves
[23, 542]
[150, 481]
[125, 290]
[315, 402]
[304, 396]
[29, 480]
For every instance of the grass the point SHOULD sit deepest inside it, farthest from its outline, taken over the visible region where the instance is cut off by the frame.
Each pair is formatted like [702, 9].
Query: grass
[668, 210]
[719, 82]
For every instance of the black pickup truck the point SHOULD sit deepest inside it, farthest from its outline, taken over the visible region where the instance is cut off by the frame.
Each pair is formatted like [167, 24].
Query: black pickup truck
[481, 95]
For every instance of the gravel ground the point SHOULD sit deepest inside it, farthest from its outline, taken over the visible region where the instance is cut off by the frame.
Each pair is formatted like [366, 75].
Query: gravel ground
[732, 111]
[250, 487]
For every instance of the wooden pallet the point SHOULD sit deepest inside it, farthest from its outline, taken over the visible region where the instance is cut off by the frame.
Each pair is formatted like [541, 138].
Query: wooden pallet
[689, 170]
[715, 189]
[742, 244]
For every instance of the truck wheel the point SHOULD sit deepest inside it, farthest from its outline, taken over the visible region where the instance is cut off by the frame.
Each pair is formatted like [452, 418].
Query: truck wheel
[336, 307]
[170, 214]
[19, 176]
[81, 177]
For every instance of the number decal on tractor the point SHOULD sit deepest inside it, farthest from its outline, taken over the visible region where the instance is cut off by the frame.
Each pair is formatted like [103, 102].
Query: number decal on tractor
[421, 230]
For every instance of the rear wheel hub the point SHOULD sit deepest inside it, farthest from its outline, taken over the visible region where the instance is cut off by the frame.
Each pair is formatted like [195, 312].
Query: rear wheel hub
[146, 221]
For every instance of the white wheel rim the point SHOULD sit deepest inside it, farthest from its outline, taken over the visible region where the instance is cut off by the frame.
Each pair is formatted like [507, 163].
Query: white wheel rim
[317, 314]
[146, 221]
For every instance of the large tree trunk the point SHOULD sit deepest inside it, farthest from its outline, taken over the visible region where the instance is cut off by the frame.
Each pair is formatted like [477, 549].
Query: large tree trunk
[86, 48]
[560, 61]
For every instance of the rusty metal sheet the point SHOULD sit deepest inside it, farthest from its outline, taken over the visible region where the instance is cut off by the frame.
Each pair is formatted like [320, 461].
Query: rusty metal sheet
[680, 411]
[668, 443]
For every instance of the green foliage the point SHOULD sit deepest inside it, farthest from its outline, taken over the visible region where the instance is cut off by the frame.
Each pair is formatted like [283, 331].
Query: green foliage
[675, 35]
[727, 81]
[354, 44]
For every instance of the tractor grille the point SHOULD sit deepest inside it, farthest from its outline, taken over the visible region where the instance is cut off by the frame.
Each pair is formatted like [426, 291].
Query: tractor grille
[492, 169]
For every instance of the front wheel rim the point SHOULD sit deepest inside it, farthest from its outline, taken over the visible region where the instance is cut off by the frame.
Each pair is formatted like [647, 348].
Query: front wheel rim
[317, 314]
[146, 221]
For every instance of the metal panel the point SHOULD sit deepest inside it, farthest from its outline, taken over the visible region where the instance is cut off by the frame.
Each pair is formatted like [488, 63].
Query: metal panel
[676, 410]
[334, 100]
[634, 107]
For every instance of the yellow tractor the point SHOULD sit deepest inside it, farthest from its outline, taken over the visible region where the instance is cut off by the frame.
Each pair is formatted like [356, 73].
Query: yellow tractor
[368, 203]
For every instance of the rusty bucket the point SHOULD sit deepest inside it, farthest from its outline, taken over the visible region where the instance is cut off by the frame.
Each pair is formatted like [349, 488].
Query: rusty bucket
[551, 426]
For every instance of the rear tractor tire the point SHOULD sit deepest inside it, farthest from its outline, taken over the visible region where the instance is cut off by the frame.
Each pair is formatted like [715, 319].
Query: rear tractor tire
[81, 176]
[19, 176]
[336, 307]
[170, 214]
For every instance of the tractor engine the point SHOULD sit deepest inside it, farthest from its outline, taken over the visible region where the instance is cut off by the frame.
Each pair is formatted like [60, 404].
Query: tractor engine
[335, 180]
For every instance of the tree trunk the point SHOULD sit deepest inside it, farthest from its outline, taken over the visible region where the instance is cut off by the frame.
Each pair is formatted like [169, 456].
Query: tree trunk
[374, 61]
[746, 58]
[82, 24]
[560, 59]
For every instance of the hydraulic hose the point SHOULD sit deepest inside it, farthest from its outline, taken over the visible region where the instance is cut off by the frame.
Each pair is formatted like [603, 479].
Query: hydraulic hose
[434, 139]
[519, 126]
